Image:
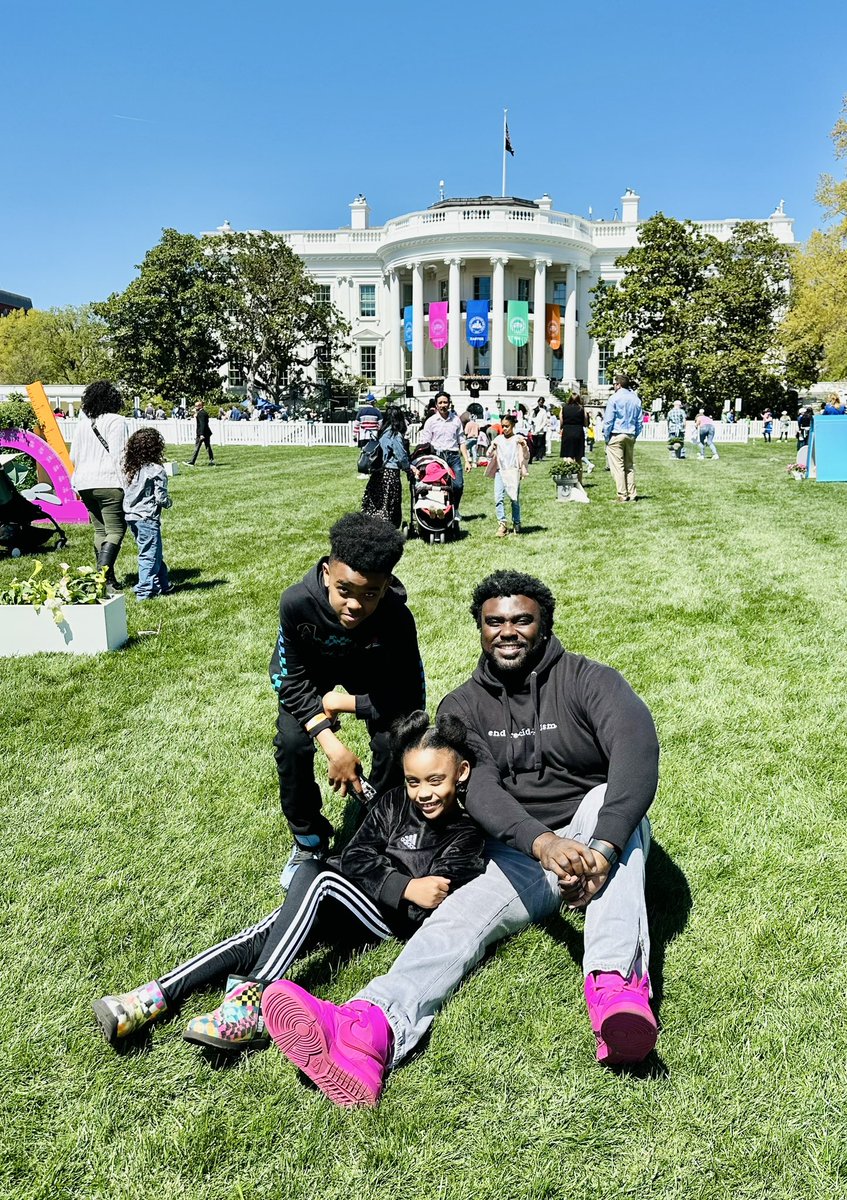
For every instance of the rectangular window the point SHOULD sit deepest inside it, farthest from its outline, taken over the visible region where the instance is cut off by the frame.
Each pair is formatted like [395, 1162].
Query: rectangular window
[523, 289]
[323, 362]
[443, 289]
[407, 294]
[605, 355]
[560, 292]
[367, 300]
[323, 293]
[523, 359]
[482, 287]
[235, 375]
[367, 363]
[482, 360]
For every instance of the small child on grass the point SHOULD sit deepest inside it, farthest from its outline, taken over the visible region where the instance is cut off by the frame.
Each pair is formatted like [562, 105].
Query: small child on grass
[416, 845]
[145, 495]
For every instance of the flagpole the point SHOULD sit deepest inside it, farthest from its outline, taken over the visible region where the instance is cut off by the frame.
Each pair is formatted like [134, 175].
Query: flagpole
[505, 120]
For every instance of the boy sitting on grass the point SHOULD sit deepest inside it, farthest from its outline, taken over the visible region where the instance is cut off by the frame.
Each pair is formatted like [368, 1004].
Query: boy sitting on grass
[345, 623]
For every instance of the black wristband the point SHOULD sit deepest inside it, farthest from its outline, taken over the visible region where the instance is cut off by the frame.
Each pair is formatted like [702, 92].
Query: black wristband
[605, 848]
[320, 726]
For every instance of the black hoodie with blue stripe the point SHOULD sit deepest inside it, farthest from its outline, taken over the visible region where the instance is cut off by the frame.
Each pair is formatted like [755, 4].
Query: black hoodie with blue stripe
[545, 738]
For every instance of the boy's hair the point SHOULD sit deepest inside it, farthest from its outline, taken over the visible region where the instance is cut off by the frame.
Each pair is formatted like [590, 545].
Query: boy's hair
[514, 583]
[100, 398]
[144, 446]
[416, 731]
[365, 544]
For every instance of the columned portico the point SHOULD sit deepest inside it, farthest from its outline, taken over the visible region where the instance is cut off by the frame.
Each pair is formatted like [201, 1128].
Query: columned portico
[539, 323]
[417, 325]
[454, 346]
[395, 330]
[569, 372]
[497, 325]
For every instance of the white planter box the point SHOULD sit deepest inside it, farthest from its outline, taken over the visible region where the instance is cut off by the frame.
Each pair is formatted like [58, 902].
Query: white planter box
[570, 489]
[85, 628]
[171, 468]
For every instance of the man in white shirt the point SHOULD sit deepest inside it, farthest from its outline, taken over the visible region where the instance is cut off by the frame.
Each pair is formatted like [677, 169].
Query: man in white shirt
[540, 423]
[444, 432]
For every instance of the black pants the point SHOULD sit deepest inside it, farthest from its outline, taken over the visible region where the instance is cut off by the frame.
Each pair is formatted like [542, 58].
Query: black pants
[321, 906]
[299, 794]
[539, 446]
[205, 440]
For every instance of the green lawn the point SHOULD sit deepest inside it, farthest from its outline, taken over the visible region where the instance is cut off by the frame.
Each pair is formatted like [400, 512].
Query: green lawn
[141, 823]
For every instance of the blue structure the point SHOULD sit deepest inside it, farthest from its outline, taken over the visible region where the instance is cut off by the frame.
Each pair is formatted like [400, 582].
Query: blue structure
[828, 449]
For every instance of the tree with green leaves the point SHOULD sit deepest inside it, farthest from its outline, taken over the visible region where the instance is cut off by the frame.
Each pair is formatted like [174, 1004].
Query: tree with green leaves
[816, 323]
[164, 328]
[700, 316]
[275, 325]
[60, 345]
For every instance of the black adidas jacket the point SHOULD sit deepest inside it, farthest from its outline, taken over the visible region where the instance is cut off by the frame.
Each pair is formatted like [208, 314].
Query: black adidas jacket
[397, 843]
[544, 740]
[378, 662]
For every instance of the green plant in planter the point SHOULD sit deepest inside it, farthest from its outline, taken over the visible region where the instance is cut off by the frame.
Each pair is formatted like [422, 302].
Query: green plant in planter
[80, 585]
[565, 468]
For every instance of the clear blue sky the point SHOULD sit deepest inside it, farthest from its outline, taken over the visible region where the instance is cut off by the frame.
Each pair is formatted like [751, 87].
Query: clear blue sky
[121, 119]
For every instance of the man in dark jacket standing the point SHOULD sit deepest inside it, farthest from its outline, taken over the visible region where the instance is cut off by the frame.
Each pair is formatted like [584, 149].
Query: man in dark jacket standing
[203, 434]
[566, 768]
[345, 623]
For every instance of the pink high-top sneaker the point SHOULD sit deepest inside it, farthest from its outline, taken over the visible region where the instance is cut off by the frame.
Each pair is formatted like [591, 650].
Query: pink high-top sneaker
[344, 1048]
[621, 1017]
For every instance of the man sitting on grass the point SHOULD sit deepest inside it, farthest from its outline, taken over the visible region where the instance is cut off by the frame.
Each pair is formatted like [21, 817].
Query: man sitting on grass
[566, 768]
[345, 623]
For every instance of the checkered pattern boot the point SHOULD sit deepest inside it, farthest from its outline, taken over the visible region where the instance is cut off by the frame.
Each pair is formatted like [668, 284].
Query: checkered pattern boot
[120, 1016]
[237, 1023]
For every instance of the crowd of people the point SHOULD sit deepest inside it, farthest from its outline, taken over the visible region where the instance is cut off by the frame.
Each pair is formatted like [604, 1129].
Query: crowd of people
[529, 790]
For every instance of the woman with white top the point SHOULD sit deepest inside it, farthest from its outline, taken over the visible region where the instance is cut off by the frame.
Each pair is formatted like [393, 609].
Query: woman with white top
[97, 453]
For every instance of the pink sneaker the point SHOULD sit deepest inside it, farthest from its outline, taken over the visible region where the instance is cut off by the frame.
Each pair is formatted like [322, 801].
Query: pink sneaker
[344, 1048]
[621, 1017]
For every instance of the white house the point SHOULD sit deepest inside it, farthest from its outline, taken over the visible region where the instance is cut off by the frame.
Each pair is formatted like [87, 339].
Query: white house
[488, 249]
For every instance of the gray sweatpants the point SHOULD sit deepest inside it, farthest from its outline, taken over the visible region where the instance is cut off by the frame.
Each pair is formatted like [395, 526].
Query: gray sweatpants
[512, 892]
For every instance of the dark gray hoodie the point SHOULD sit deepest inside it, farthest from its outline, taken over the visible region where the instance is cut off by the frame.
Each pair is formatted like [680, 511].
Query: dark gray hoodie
[545, 738]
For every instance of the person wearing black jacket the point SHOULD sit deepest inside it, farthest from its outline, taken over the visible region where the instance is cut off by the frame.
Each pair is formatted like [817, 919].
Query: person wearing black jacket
[345, 623]
[566, 766]
[203, 435]
[415, 847]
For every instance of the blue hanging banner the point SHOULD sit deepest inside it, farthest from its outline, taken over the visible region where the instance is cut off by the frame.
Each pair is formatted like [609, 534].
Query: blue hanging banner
[407, 326]
[477, 323]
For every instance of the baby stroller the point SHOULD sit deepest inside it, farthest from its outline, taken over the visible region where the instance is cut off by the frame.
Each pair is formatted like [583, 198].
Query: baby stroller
[433, 515]
[17, 533]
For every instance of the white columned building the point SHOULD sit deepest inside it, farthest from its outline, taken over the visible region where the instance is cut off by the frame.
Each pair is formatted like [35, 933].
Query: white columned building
[487, 249]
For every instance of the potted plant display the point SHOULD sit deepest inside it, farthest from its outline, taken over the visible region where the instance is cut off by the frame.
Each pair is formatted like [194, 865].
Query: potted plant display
[565, 473]
[72, 615]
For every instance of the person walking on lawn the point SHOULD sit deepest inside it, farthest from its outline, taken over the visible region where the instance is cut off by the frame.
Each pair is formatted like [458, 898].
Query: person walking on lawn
[346, 622]
[622, 425]
[203, 435]
[566, 766]
[444, 433]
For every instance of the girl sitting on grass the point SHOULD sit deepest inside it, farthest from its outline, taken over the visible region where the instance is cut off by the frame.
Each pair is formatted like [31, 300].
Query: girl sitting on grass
[415, 846]
[145, 495]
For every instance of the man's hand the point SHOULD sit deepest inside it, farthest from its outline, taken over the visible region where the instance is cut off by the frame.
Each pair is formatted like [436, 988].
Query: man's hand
[427, 892]
[566, 858]
[577, 892]
[343, 766]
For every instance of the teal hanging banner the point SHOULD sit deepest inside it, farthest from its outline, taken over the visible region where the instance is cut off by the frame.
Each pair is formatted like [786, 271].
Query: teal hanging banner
[517, 322]
[407, 326]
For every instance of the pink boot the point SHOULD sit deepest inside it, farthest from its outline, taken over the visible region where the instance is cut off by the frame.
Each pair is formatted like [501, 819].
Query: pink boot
[344, 1049]
[621, 1017]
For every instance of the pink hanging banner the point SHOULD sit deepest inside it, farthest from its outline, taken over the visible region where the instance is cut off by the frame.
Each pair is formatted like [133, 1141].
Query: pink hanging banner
[438, 323]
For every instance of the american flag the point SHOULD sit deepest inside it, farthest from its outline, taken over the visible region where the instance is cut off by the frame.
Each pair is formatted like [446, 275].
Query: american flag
[509, 149]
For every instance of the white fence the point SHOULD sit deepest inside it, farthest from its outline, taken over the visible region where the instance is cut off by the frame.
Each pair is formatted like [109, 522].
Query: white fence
[315, 433]
[241, 433]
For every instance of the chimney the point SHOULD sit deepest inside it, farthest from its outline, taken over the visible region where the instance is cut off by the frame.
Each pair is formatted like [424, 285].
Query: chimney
[360, 213]
[545, 203]
[629, 207]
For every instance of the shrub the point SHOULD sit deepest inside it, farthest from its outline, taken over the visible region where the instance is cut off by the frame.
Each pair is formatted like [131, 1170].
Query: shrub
[17, 413]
